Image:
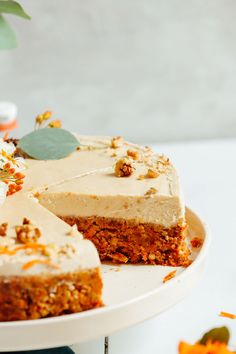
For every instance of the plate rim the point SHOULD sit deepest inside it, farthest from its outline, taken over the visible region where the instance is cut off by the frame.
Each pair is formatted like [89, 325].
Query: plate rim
[123, 304]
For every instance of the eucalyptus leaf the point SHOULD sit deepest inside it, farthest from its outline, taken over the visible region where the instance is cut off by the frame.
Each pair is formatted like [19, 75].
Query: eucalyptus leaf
[49, 144]
[13, 8]
[220, 334]
[7, 36]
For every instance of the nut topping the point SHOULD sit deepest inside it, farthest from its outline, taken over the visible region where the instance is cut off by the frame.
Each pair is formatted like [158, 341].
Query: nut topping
[124, 168]
[3, 229]
[133, 154]
[116, 142]
[27, 232]
[151, 192]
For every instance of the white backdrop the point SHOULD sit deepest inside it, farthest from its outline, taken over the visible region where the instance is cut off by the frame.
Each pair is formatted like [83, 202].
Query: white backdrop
[150, 70]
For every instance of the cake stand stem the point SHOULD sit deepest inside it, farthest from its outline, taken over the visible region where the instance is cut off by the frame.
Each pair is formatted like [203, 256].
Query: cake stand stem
[106, 345]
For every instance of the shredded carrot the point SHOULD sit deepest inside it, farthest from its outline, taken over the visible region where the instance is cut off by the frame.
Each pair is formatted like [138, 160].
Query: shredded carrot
[30, 245]
[33, 246]
[39, 261]
[228, 315]
[169, 276]
[5, 250]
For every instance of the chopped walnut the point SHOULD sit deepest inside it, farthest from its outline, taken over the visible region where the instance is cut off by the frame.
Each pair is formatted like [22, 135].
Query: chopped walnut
[141, 177]
[163, 160]
[151, 192]
[26, 221]
[152, 173]
[133, 154]
[148, 149]
[67, 250]
[124, 168]
[116, 142]
[3, 229]
[50, 250]
[27, 232]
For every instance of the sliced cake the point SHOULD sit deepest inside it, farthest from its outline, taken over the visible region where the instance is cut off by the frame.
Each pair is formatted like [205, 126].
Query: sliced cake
[46, 267]
[124, 198]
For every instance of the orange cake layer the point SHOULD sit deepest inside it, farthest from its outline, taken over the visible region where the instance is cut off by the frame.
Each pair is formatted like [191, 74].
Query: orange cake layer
[39, 296]
[127, 241]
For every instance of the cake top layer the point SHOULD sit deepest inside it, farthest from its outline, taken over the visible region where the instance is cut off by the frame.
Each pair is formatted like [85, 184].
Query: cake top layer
[150, 193]
[97, 155]
[58, 248]
[107, 177]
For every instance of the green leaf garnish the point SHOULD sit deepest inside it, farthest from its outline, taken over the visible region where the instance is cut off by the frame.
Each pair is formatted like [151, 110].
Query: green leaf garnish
[7, 35]
[49, 144]
[220, 334]
[13, 8]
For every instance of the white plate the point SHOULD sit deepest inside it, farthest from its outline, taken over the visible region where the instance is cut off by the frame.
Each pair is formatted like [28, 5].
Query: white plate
[132, 294]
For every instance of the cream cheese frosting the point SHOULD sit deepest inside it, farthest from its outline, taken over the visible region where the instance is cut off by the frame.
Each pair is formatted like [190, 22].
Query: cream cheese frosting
[66, 247]
[84, 184]
[97, 192]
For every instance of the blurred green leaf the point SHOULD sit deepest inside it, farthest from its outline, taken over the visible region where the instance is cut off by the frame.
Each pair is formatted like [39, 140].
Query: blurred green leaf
[220, 334]
[49, 144]
[13, 8]
[7, 36]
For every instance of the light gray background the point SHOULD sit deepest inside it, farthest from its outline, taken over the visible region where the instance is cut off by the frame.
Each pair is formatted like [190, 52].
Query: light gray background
[150, 70]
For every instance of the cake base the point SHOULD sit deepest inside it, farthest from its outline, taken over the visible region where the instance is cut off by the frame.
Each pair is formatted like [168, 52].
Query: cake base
[32, 297]
[127, 241]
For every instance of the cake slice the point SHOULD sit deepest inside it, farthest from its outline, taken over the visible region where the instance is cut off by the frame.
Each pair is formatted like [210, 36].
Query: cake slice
[131, 208]
[46, 268]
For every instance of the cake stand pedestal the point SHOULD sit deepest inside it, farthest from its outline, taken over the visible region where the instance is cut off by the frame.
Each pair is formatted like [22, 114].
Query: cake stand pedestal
[132, 294]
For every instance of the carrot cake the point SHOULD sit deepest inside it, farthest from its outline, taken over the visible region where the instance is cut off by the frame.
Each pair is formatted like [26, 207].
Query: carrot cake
[124, 199]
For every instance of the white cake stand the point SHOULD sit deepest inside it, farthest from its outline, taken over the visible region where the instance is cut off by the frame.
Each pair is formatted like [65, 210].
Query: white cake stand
[131, 293]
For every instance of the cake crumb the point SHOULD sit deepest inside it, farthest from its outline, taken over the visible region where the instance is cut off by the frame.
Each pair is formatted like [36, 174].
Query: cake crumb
[151, 173]
[3, 229]
[116, 142]
[27, 232]
[133, 154]
[169, 276]
[196, 242]
[152, 257]
[124, 168]
[227, 315]
[116, 269]
[151, 191]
